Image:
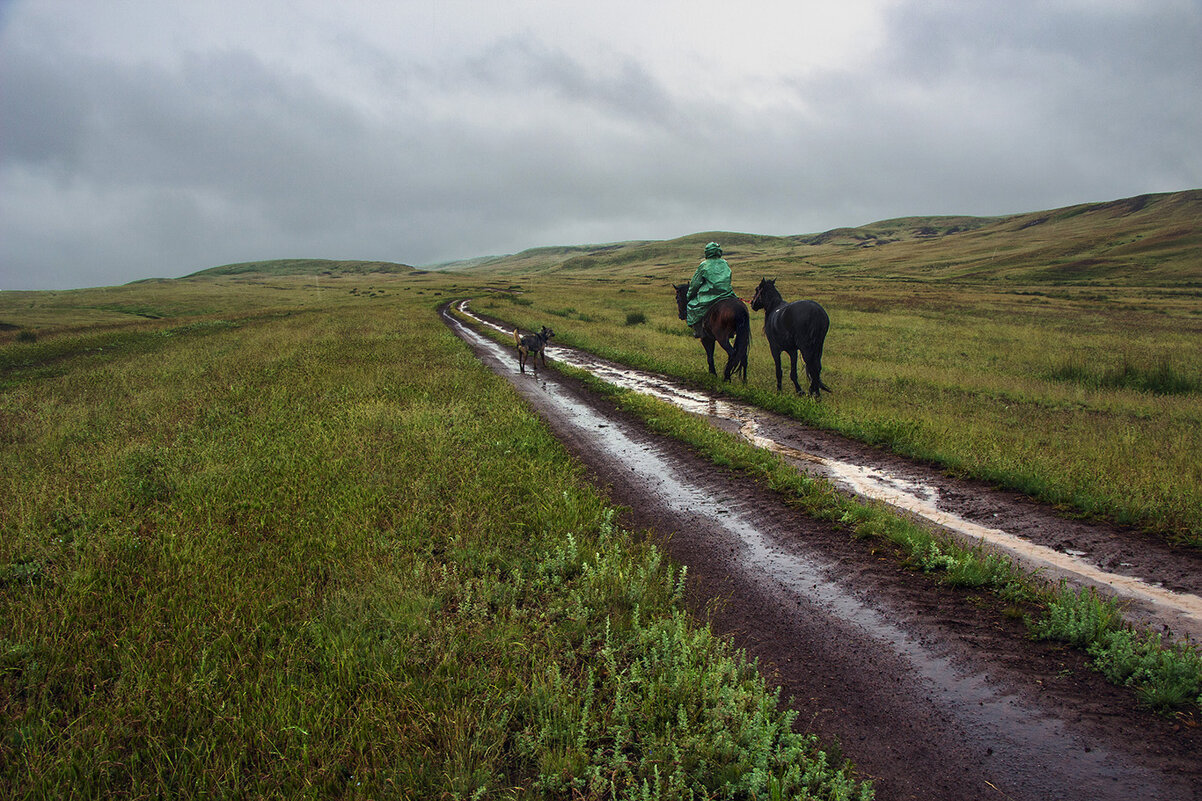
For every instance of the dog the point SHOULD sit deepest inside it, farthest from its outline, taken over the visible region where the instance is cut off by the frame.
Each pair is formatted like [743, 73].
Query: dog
[532, 347]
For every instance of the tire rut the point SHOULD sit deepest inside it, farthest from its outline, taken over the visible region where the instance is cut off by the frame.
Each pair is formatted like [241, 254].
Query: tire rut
[933, 693]
[1159, 585]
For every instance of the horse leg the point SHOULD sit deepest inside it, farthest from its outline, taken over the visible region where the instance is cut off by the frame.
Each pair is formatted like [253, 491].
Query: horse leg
[776, 358]
[793, 370]
[708, 344]
[813, 361]
[730, 358]
[742, 345]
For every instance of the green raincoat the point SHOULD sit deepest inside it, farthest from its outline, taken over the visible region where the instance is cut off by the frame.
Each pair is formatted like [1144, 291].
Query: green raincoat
[711, 282]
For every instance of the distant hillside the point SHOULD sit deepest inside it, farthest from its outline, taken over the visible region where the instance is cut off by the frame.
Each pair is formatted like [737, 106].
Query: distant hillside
[532, 260]
[1149, 239]
[898, 230]
[314, 267]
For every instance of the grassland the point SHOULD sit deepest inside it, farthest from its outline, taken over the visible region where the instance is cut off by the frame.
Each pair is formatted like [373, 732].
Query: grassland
[1090, 404]
[255, 544]
[312, 548]
[1083, 390]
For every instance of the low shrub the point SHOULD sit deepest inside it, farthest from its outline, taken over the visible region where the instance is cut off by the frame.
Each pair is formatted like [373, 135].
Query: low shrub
[1078, 617]
[1165, 677]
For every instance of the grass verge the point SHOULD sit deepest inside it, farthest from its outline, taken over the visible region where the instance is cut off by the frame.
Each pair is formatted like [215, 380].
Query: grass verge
[1166, 677]
[292, 560]
[1085, 403]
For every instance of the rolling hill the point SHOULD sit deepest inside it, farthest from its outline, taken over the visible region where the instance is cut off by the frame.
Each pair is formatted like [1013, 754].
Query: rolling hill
[281, 267]
[1149, 239]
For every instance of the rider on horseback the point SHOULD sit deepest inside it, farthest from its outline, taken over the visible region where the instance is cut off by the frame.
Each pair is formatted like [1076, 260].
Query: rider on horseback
[710, 283]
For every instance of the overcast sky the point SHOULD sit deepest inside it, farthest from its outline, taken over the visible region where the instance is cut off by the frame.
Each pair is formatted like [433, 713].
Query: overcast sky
[154, 138]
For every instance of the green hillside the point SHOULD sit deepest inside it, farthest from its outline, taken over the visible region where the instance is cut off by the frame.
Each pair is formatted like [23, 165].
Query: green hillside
[532, 260]
[1139, 241]
[281, 267]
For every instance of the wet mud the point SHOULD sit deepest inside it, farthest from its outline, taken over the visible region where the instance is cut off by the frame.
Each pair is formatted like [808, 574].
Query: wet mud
[1160, 585]
[933, 693]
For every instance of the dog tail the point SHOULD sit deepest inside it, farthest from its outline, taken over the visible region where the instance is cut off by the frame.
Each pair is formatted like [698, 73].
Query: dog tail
[517, 338]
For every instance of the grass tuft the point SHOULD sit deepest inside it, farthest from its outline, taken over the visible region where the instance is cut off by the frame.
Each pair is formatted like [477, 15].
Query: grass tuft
[1078, 617]
[1165, 677]
[1161, 377]
[286, 558]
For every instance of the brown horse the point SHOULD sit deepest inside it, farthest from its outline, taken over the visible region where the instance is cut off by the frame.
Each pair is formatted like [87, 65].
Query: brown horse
[792, 327]
[723, 319]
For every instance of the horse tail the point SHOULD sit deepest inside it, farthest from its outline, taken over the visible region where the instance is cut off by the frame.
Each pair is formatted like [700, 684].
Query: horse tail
[824, 324]
[743, 342]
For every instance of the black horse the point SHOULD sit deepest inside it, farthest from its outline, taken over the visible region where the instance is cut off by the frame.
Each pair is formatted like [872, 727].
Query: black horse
[797, 326]
[723, 319]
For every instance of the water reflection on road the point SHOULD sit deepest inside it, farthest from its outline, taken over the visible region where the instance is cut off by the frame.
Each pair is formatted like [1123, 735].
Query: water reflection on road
[1016, 745]
[1181, 611]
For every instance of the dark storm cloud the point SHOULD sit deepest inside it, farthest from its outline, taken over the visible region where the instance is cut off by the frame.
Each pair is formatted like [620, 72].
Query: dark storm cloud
[1046, 103]
[223, 159]
[213, 155]
[525, 67]
[115, 169]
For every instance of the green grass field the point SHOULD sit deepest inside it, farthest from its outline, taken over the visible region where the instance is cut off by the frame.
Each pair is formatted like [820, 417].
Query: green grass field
[271, 530]
[1058, 353]
[318, 550]
[1092, 403]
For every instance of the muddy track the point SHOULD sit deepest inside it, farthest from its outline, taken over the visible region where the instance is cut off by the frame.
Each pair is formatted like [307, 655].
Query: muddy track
[933, 693]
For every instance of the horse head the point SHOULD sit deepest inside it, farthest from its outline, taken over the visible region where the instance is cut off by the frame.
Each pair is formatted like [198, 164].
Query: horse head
[682, 299]
[764, 294]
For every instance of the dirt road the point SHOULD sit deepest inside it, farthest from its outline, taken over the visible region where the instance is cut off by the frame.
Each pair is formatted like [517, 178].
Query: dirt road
[933, 693]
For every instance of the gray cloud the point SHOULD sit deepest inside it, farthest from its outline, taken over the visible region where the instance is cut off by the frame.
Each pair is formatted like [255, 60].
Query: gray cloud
[115, 169]
[1057, 102]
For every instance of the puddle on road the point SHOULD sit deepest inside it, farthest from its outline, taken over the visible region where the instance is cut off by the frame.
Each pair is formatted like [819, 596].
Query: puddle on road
[1033, 746]
[1184, 611]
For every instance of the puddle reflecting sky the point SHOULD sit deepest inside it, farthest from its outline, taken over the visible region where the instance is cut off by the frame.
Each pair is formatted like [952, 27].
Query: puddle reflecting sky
[867, 481]
[1016, 734]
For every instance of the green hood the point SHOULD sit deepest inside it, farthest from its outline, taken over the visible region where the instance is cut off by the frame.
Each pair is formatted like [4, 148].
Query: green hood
[711, 282]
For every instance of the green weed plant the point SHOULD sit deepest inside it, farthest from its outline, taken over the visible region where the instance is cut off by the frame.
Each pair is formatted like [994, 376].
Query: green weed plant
[325, 553]
[1166, 676]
